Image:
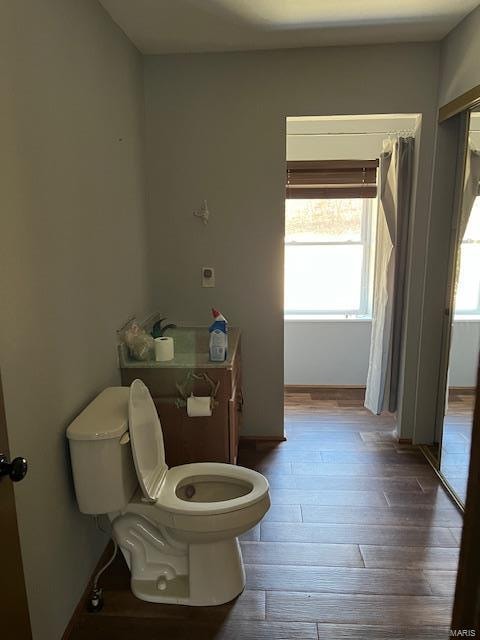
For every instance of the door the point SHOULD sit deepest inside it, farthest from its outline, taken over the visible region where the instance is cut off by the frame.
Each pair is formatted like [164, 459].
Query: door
[463, 329]
[15, 621]
[466, 609]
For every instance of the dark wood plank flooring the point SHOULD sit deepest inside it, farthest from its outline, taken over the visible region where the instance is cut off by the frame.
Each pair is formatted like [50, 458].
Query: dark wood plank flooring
[457, 440]
[361, 543]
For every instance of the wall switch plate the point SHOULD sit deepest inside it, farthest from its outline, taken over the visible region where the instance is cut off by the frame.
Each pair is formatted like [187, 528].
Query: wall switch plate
[208, 277]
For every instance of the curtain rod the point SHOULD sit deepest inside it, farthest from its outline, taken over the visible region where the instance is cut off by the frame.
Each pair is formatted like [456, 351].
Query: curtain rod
[407, 132]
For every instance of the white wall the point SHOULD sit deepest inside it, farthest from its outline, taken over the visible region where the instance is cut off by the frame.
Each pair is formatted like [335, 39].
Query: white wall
[336, 353]
[73, 263]
[474, 130]
[464, 349]
[344, 138]
[327, 352]
[216, 130]
[460, 53]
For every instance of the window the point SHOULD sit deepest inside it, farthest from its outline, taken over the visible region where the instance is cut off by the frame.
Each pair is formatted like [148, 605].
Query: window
[327, 255]
[467, 299]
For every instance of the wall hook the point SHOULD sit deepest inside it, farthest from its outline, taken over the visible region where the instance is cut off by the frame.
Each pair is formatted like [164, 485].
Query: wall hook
[203, 212]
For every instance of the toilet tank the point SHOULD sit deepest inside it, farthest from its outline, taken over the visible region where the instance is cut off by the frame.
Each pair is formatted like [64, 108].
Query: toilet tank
[102, 464]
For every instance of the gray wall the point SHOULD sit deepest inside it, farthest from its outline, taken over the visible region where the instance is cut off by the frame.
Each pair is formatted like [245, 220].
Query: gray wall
[73, 263]
[459, 72]
[434, 324]
[216, 130]
[460, 53]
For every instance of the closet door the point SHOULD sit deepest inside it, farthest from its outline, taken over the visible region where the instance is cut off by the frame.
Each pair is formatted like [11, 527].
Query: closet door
[462, 324]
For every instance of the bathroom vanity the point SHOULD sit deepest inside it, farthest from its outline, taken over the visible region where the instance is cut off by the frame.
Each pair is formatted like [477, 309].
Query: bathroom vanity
[201, 439]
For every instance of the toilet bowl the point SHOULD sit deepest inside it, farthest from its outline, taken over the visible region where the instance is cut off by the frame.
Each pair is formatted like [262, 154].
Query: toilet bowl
[178, 527]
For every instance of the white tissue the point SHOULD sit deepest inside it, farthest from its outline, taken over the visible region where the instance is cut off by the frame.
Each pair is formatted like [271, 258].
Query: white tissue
[164, 349]
[199, 406]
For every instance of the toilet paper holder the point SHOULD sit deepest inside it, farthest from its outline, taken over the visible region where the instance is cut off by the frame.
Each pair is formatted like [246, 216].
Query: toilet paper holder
[185, 389]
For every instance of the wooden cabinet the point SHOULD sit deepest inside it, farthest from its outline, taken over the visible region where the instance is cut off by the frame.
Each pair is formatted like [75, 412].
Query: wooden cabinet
[235, 411]
[202, 439]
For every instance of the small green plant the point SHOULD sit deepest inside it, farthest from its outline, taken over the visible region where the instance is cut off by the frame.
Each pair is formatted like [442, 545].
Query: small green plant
[158, 330]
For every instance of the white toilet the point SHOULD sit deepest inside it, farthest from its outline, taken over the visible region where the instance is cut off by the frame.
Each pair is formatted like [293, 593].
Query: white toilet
[178, 527]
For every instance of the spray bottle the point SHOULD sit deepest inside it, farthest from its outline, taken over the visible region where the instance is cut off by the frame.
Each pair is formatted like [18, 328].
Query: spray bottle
[218, 337]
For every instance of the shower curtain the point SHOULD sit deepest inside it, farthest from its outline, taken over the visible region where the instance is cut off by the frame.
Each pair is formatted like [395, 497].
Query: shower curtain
[470, 190]
[395, 187]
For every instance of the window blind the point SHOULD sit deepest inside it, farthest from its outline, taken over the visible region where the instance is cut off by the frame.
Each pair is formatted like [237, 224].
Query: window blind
[332, 179]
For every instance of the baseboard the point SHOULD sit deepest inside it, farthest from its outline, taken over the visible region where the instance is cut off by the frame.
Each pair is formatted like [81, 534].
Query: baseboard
[253, 442]
[404, 441]
[467, 391]
[307, 388]
[106, 555]
[262, 438]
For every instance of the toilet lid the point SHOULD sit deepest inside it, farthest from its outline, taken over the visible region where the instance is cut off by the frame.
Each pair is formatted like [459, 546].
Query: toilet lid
[147, 440]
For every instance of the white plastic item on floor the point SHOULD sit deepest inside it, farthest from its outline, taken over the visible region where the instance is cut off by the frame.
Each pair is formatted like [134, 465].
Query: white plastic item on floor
[178, 531]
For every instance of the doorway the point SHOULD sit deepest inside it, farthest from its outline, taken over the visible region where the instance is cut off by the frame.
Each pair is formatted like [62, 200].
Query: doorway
[330, 240]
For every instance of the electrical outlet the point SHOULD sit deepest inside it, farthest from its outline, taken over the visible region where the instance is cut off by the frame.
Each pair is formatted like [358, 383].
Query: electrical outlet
[208, 277]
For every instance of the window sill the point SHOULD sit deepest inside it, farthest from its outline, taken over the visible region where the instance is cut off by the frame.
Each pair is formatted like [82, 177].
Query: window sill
[465, 318]
[324, 318]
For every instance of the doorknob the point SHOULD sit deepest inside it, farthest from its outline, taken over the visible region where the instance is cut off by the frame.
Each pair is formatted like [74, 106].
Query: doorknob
[16, 469]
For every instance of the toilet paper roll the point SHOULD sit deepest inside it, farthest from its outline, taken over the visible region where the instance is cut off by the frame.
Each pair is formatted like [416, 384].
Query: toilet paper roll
[164, 349]
[199, 406]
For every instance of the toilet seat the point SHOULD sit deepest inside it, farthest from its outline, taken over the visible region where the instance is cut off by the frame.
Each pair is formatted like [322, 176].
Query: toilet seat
[168, 499]
[159, 484]
[147, 441]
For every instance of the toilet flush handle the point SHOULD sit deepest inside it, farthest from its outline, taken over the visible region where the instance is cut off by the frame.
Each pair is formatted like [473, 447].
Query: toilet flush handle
[125, 439]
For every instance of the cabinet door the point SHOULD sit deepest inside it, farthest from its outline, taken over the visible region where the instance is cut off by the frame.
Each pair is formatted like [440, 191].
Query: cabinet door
[193, 439]
[235, 405]
[205, 439]
[202, 439]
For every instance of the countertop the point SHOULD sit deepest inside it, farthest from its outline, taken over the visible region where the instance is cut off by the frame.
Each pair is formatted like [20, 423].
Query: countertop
[191, 351]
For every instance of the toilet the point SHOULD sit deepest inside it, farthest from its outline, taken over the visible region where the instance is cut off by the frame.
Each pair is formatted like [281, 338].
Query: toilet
[177, 528]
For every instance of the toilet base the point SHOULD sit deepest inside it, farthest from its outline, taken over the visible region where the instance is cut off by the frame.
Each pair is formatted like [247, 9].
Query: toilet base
[216, 575]
[165, 569]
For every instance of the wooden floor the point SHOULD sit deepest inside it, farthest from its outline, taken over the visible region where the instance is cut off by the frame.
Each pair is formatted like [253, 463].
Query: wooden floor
[457, 440]
[361, 543]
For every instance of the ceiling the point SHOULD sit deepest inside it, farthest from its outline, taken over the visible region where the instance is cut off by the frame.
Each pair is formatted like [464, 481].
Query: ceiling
[181, 26]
